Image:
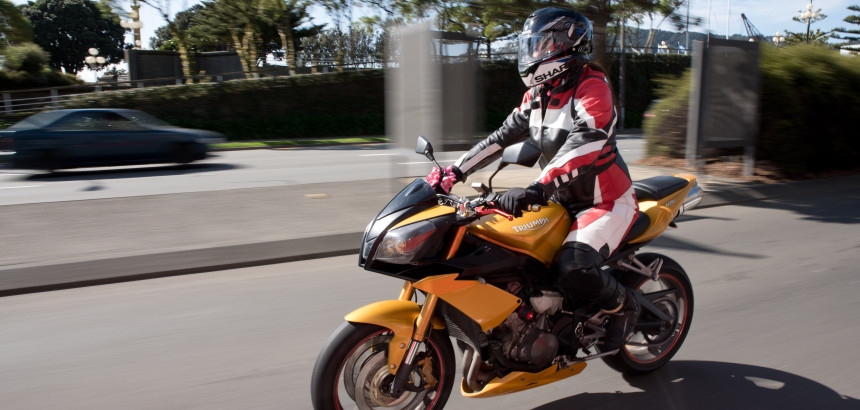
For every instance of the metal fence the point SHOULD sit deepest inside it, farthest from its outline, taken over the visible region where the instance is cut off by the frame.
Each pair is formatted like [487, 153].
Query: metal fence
[30, 100]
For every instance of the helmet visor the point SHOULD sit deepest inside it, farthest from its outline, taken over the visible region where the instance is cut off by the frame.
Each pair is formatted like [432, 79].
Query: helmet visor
[538, 47]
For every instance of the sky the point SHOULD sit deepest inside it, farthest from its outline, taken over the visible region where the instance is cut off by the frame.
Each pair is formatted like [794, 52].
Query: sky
[768, 16]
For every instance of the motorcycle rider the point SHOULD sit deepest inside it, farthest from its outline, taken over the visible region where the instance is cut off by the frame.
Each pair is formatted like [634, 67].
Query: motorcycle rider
[567, 112]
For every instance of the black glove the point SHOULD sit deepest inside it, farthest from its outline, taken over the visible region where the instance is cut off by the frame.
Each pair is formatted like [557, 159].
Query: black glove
[516, 200]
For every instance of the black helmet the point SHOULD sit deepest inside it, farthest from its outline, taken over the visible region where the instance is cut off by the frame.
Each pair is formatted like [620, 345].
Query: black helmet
[553, 40]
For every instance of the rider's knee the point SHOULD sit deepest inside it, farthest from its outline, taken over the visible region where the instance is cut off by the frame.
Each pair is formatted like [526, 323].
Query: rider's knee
[576, 259]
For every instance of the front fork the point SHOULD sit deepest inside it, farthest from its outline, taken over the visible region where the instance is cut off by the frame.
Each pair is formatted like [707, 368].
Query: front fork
[422, 326]
[422, 323]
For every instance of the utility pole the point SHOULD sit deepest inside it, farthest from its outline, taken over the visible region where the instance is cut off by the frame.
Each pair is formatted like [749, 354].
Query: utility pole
[708, 29]
[728, 19]
[621, 67]
[687, 45]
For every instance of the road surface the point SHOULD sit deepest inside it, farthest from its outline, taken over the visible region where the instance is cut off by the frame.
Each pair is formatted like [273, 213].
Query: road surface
[777, 294]
[231, 170]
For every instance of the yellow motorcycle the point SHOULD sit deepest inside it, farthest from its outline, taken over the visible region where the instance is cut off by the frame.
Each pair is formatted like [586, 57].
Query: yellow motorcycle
[485, 279]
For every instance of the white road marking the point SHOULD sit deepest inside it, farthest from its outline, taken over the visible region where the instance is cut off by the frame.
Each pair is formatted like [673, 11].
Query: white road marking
[22, 186]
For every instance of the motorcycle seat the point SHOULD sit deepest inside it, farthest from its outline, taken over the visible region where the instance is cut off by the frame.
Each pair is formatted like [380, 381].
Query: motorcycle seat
[658, 187]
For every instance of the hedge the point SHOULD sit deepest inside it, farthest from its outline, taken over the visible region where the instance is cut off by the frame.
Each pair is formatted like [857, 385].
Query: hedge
[809, 105]
[349, 103]
[338, 104]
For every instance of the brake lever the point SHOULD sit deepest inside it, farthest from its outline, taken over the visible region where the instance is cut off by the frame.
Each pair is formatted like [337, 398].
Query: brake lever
[487, 211]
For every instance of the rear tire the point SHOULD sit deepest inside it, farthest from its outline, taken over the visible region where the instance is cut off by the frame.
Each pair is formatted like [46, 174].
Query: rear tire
[648, 350]
[352, 371]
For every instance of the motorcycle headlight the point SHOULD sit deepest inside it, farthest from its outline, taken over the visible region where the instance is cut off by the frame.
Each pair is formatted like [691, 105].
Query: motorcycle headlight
[404, 244]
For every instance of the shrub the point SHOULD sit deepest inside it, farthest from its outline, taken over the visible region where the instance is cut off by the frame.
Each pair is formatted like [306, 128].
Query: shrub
[643, 74]
[810, 97]
[809, 106]
[667, 129]
[26, 57]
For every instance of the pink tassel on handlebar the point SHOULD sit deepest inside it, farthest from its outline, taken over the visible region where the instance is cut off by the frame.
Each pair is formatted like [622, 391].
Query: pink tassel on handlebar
[446, 181]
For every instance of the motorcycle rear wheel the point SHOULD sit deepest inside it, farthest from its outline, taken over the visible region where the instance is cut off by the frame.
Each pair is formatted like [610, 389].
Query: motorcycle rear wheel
[648, 350]
[352, 371]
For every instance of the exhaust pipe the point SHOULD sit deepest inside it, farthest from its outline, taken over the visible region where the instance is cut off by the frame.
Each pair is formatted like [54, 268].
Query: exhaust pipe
[692, 200]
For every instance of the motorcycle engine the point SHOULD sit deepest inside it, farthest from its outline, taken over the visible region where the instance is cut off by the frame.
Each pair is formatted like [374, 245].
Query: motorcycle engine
[525, 335]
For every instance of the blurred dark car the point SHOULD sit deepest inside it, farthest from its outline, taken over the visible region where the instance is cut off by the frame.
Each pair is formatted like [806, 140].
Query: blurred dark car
[101, 137]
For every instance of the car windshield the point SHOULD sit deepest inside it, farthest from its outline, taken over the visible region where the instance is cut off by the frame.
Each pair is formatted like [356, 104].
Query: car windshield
[144, 119]
[39, 120]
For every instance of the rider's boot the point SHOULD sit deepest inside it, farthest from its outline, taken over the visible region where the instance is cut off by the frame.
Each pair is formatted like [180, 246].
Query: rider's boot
[580, 279]
[621, 323]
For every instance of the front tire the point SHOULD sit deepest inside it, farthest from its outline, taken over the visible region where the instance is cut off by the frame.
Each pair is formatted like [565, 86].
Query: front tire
[352, 372]
[650, 349]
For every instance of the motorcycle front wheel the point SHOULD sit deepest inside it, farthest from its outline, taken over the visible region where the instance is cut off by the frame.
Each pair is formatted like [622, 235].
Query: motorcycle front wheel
[652, 347]
[352, 371]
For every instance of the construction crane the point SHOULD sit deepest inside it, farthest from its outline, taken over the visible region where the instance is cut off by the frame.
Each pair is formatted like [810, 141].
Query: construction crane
[753, 32]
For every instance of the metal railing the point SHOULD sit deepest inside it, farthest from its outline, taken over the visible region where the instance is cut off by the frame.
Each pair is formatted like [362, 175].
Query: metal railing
[30, 100]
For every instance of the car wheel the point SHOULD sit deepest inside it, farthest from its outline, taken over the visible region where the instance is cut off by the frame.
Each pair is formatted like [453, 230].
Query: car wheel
[181, 154]
[49, 160]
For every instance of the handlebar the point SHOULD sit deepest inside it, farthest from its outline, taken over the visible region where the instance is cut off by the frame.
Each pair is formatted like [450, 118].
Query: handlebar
[483, 205]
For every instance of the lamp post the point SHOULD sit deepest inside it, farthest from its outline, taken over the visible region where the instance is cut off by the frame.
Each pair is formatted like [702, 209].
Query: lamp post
[809, 16]
[134, 24]
[95, 61]
[777, 39]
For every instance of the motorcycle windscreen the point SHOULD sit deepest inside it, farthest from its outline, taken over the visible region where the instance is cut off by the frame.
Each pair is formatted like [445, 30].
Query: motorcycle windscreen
[417, 192]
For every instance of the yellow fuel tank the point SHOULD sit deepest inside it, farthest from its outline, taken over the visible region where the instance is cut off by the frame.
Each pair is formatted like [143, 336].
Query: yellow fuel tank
[538, 234]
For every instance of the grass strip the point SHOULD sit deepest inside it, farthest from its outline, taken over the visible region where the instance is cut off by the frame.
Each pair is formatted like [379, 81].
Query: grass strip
[298, 142]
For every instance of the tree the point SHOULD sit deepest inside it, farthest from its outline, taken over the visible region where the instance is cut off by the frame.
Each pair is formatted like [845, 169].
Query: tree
[601, 13]
[183, 21]
[14, 28]
[489, 20]
[179, 34]
[286, 16]
[657, 11]
[849, 34]
[241, 24]
[358, 46]
[66, 29]
[817, 37]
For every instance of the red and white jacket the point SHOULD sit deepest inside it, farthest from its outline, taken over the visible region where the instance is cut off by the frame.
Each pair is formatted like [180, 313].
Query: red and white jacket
[572, 121]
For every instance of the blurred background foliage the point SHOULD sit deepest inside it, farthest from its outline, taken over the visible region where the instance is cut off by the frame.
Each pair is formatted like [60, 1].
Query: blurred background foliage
[26, 66]
[809, 106]
[348, 103]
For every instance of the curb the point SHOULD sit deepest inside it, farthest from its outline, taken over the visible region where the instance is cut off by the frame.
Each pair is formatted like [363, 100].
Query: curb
[43, 278]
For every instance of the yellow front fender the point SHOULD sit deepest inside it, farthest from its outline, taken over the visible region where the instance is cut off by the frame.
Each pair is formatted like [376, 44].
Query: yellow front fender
[398, 316]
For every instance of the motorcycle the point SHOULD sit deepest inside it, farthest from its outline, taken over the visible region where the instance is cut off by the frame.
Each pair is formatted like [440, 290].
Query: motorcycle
[475, 274]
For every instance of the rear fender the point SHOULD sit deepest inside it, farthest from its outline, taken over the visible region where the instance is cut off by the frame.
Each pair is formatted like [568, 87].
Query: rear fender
[398, 316]
[663, 211]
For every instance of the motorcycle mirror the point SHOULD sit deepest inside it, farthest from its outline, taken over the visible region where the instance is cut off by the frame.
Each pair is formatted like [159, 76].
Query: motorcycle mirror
[523, 153]
[424, 148]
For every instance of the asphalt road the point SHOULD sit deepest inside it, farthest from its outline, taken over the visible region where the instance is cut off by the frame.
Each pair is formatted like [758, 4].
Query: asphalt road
[775, 324]
[231, 170]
